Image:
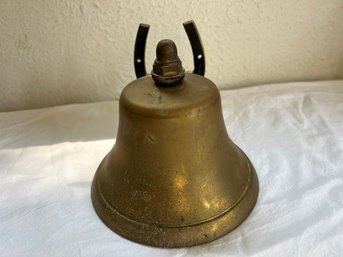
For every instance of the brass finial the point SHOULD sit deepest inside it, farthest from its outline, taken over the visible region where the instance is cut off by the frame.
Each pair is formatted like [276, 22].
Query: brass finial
[167, 68]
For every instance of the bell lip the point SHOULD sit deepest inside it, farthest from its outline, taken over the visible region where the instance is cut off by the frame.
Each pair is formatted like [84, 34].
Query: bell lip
[177, 237]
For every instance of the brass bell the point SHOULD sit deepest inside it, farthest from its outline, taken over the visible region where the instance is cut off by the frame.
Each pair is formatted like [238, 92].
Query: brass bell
[174, 178]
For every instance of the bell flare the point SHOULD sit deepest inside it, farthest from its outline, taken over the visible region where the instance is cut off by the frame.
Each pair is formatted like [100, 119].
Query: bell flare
[174, 178]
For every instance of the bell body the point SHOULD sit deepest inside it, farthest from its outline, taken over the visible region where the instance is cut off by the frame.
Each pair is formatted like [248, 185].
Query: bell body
[174, 178]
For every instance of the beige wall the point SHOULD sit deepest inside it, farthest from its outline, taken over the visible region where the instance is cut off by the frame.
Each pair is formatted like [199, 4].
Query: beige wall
[65, 51]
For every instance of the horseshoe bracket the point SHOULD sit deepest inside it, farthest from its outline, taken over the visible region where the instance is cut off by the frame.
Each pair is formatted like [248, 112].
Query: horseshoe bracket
[194, 39]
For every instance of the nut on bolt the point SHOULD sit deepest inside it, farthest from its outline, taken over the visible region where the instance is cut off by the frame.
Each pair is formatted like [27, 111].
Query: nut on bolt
[167, 68]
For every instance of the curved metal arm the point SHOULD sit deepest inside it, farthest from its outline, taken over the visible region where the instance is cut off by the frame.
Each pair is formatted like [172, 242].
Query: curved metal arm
[139, 54]
[197, 48]
[194, 39]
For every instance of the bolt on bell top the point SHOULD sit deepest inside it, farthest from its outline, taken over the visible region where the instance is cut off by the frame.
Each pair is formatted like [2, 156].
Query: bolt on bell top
[167, 68]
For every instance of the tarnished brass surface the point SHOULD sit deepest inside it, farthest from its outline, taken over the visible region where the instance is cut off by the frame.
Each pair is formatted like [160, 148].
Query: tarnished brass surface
[174, 178]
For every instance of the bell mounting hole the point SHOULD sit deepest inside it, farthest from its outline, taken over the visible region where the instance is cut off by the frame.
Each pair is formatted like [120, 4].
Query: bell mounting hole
[138, 60]
[199, 56]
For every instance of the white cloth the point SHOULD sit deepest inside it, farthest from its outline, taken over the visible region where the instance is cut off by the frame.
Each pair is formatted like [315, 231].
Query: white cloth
[293, 134]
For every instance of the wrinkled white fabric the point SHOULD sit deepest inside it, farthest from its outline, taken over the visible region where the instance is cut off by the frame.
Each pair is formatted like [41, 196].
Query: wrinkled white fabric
[293, 134]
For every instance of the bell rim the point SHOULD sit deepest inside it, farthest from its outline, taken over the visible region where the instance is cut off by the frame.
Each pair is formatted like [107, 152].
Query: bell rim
[176, 237]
